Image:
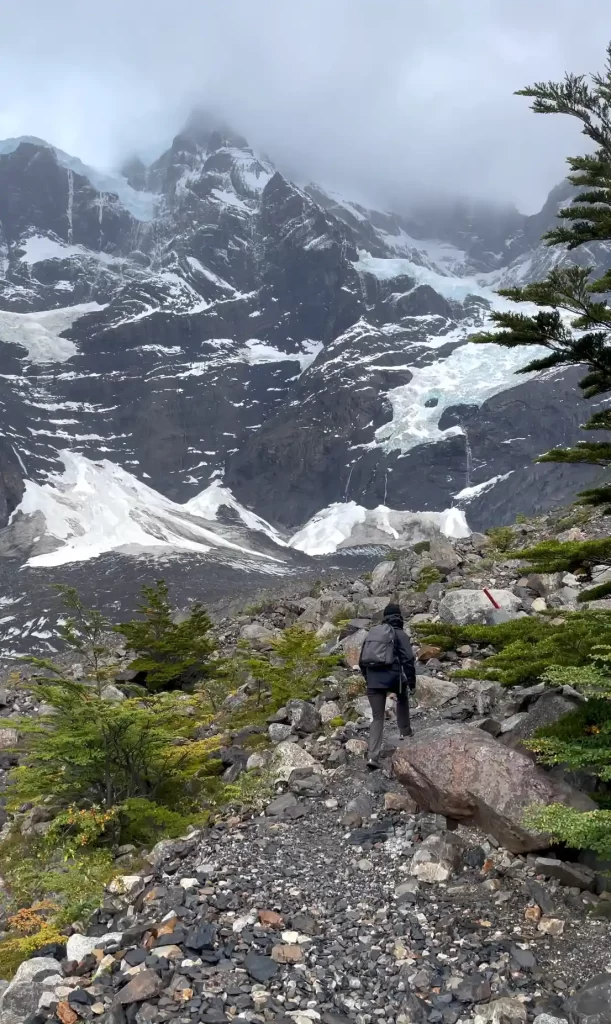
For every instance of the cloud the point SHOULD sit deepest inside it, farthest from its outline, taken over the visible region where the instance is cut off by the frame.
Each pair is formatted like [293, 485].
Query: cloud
[381, 98]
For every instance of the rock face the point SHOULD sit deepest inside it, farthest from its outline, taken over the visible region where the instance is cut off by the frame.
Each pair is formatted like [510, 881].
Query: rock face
[260, 305]
[466, 774]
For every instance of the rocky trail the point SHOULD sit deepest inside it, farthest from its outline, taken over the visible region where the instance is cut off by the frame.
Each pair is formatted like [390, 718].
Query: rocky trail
[411, 894]
[296, 916]
[340, 902]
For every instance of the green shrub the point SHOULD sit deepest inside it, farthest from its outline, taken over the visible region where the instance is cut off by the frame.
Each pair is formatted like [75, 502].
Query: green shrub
[427, 575]
[526, 648]
[580, 741]
[16, 949]
[295, 668]
[171, 653]
[337, 722]
[566, 556]
[88, 751]
[502, 537]
[421, 547]
[35, 876]
[579, 830]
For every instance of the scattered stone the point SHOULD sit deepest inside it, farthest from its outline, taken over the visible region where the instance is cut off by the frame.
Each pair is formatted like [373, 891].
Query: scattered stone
[384, 578]
[532, 914]
[278, 732]
[351, 646]
[436, 860]
[9, 738]
[592, 1003]
[501, 1011]
[287, 757]
[329, 711]
[261, 968]
[551, 926]
[271, 919]
[288, 953]
[287, 802]
[79, 946]
[428, 651]
[357, 747]
[303, 716]
[257, 760]
[145, 985]
[113, 694]
[22, 996]
[567, 873]
[399, 802]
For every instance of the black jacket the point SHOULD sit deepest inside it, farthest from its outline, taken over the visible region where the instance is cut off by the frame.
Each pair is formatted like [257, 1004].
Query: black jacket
[403, 672]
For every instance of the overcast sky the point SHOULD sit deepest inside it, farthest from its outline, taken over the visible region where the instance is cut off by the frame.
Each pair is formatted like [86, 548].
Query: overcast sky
[377, 97]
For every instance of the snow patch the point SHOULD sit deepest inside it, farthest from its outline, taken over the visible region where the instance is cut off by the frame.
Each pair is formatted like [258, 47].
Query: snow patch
[347, 524]
[455, 289]
[40, 333]
[95, 507]
[468, 493]
[230, 199]
[259, 352]
[208, 502]
[39, 248]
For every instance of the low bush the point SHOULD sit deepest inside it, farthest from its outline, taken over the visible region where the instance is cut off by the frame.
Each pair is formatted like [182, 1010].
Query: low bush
[502, 537]
[428, 574]
[525, 648]
[293, 669]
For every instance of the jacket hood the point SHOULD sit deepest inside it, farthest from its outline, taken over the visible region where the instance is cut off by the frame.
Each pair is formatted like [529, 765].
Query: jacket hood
[395, 620]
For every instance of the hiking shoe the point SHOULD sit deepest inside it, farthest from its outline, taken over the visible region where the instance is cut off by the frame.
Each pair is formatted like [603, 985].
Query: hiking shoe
[373, 766]
[410, 732]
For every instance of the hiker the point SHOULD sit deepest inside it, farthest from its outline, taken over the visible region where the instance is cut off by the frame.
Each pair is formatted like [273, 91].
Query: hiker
[387, 663]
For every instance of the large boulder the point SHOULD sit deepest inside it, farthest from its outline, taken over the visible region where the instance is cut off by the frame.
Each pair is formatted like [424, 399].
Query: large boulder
[384, 578]
[472, 607]
[372, 607]
[326, 608]
[22, 996]
[303, 716]
[434, 693]
[443, 556]
[549, 708]
[592, 1003]
[464, 773]
[351, 647]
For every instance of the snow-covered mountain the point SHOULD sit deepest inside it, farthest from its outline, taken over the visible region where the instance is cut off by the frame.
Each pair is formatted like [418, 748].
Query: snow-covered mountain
[205, 320]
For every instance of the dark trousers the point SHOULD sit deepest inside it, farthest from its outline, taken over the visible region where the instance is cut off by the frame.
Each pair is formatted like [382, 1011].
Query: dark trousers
[377, 700]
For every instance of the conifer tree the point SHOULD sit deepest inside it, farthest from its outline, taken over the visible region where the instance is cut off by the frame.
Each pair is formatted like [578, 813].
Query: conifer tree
[172, 653]
[574, 318]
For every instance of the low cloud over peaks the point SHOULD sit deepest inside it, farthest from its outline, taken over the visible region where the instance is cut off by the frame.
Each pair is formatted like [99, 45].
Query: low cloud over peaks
[384, 100]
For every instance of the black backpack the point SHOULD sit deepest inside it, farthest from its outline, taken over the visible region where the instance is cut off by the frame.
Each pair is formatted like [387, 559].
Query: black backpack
[379, 648]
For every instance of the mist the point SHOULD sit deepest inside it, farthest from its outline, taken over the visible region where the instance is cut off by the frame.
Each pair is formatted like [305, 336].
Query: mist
[385, 100]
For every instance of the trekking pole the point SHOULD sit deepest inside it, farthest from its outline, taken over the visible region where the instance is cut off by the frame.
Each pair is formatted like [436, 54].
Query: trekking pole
[499, 614]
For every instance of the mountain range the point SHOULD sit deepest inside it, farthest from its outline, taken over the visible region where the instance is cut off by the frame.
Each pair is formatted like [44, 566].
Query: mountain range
[204, 320]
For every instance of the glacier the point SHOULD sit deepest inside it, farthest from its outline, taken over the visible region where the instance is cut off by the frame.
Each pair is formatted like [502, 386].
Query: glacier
[97, 507]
